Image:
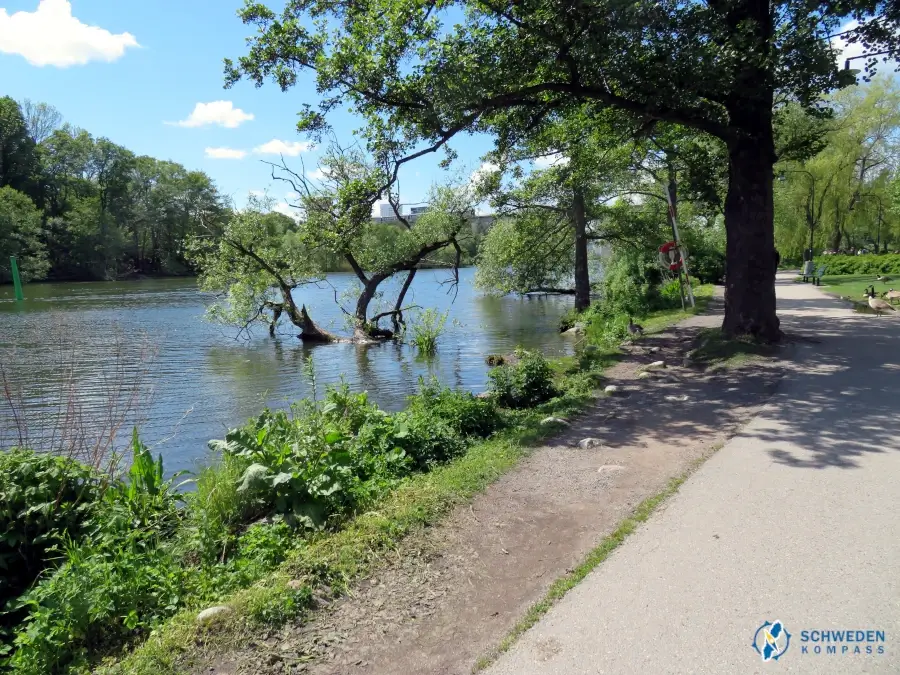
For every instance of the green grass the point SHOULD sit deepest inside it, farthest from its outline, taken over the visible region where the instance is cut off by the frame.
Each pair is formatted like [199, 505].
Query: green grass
[595, 557]
[658, 321]
[853, 286]
[715, 351]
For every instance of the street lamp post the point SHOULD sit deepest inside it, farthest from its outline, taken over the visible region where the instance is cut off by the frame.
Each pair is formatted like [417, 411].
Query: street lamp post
[863, 56]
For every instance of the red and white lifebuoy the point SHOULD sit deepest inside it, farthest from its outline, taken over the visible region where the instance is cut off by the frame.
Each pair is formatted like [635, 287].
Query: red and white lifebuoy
[670, 256]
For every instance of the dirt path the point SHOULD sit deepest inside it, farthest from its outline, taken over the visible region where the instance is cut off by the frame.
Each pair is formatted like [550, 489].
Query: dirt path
[456, 589]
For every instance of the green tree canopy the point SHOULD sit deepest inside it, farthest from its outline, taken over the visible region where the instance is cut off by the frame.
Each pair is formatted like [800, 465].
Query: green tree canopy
[20, 236]
[421, 72]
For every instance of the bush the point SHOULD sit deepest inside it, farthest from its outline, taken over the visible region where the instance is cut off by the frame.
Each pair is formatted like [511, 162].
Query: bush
[105, 593]
[117, 580]
[630, 283]
[426, 439]
[43, 499]
[525, 384]
[860, 264]
[465, 413]
[426, 329]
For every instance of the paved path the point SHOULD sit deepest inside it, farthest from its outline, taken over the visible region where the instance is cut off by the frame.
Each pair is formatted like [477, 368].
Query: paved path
[797, 519]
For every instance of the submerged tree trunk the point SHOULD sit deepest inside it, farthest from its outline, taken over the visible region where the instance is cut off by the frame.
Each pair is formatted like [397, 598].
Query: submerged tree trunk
[363, 330]
[582, 274]
[397, 316]
[309, 331]
[749, 224]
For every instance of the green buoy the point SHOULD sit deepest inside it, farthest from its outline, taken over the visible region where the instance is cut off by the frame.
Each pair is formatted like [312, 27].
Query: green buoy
[17, 282]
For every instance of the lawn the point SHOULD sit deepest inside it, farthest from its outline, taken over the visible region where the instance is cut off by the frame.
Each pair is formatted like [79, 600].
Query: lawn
[853, 286]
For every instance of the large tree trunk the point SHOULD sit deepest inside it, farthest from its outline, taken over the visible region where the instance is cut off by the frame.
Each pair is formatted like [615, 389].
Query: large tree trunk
[749, 223]
[363, 330]
[309, 331]
[582, 274]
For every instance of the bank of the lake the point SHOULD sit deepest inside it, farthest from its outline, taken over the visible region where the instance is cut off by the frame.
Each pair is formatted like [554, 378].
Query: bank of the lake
[145, 343]
[170, 563]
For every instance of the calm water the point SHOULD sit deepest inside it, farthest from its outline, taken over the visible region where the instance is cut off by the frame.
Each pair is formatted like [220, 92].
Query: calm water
[92, 352]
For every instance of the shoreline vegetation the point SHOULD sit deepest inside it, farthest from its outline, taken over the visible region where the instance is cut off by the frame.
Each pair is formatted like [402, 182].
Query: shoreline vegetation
[298, 504]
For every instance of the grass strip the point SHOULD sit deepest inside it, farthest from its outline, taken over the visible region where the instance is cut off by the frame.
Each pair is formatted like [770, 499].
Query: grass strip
[601, 552]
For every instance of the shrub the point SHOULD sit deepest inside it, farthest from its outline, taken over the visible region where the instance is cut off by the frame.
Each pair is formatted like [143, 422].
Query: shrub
[295, 467]
[525, 384]
[320, 461]
[465, 413]
[631, 282]
[106, 592]
[43, 499]
[426, 330]
[860, 264]
[117, 580]
[426, 439]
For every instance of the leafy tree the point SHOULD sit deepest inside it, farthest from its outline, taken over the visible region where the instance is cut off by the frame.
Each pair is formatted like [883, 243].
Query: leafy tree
[336, 216]
[41, 119]
[18, 161]
[841, 194]
[20, 236]
[241, 259]
[716, 67]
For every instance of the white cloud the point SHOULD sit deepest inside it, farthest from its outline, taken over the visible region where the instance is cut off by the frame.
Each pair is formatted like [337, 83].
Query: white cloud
[277, 147]
[844, 51]
[222, 113]
[253, 193]
[51, 36]
[225, 153]
[287, 209]
[316, 174]
[555, 159]
[482, 172]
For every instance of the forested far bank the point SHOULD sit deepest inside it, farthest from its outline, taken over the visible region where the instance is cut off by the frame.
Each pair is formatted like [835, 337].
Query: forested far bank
[78, 207]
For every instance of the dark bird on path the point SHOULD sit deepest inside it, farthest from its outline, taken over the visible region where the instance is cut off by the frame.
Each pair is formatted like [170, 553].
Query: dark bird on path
[883, 279]
[634, 329]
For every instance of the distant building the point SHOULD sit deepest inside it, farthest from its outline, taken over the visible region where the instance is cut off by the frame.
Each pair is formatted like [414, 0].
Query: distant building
[418, 210]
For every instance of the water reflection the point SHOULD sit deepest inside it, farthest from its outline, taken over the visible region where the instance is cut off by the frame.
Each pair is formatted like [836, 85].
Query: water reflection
[196, 380]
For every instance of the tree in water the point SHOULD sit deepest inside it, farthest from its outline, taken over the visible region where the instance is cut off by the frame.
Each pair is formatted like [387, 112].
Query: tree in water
[256, 261]
[722, 68]
[253, 261]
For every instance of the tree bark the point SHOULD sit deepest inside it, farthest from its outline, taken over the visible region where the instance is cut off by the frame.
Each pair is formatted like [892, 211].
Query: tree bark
[397, 317]
[582, 274]
[363, 330]
[309, 331]
[749, 223]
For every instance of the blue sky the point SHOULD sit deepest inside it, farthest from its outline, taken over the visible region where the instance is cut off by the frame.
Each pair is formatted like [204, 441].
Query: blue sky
[130, 70]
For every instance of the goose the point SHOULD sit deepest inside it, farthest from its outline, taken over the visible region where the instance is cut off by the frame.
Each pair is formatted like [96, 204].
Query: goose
[891, 295]
[634, 329]
[878, 304]
[883, 279]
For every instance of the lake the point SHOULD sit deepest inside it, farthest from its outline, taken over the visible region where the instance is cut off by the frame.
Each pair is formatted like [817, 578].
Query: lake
[84, 362]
